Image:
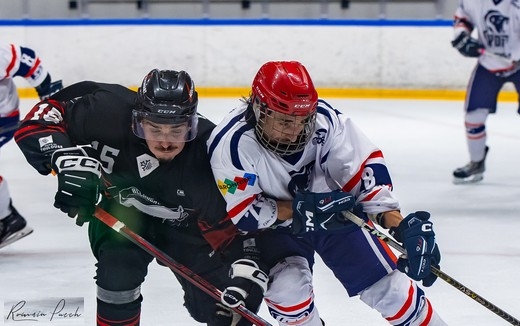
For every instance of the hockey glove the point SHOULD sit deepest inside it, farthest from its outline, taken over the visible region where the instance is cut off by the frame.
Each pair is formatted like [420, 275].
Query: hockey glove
[46, 89]
[78, 182]
[245, 274]
[8, 126]
[467, 46]
[320, 211]
[416, 234]
[248, 277]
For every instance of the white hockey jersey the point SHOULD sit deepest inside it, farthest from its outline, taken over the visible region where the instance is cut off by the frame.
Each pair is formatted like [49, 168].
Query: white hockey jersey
[498, 26]
[17, 61]
[251, 178]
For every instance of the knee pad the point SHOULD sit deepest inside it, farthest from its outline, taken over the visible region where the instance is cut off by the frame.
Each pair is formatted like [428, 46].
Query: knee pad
[290, 296]
[398, 299]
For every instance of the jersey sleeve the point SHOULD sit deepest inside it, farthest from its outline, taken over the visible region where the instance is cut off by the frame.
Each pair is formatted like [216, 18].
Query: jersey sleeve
[462, 21]
[42, 132]
[21, 61]
[237, 179]
[359, 167]
[84, 111]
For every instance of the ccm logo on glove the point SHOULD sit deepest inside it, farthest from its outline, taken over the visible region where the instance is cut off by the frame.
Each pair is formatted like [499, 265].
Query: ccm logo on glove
[76, 163]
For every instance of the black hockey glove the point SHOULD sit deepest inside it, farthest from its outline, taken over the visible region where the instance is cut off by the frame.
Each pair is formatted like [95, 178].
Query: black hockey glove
[467, 46]
[78, 182]
[321, 211]
[248, 278]
[416, 234]
[47, 88]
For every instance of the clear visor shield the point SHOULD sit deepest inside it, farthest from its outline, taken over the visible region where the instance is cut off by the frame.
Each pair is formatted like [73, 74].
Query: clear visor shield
[160, 128]
[282, 134]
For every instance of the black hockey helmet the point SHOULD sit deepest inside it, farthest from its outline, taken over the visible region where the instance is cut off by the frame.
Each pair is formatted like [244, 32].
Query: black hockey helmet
[166, 97]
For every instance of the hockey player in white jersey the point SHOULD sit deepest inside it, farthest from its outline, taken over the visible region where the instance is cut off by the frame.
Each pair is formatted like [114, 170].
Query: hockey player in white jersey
[23, 62]
[285, 160]
[497, 46]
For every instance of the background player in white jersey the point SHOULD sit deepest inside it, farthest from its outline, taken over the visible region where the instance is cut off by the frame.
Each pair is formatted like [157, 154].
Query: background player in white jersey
[497, 47]
[15, 61]
[286, 158]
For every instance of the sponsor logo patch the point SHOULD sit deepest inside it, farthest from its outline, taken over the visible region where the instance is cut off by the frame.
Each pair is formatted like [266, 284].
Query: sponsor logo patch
[238, 183]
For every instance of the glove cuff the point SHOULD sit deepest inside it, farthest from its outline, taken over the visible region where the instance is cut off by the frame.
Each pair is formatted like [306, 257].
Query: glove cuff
[248, 269]
[231, 300]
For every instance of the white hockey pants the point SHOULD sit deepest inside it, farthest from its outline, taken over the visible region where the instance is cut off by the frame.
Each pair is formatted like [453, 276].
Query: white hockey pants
[290, 298]
[400, 301]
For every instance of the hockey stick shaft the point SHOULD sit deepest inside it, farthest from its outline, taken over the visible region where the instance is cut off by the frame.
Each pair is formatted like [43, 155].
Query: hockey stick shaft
[445, 277]
[176, 267]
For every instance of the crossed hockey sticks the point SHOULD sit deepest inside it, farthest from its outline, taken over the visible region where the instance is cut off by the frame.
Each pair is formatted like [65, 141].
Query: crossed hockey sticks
[443, 276]
[178, 268]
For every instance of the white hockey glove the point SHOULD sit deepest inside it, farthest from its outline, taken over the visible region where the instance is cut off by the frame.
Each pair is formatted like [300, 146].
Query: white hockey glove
[245, 274]
[78, 182]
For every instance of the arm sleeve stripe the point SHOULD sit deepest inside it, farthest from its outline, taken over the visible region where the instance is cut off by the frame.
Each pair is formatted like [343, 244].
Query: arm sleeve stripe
[241, 206]
[355, 179]
[13, 60]
[33, 68]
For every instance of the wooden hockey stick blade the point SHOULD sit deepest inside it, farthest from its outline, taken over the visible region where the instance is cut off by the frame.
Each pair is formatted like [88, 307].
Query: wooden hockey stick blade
[443, 276]
[176, 267]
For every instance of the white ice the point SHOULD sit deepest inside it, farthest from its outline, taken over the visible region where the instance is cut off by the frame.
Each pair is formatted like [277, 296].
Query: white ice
[477, 225]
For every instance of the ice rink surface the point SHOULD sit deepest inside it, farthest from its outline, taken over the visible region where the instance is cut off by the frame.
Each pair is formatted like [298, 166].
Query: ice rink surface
[477, 225]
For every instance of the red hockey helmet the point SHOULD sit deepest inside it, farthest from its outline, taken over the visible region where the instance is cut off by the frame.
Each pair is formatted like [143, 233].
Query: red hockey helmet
[284, 102]
[286, 87]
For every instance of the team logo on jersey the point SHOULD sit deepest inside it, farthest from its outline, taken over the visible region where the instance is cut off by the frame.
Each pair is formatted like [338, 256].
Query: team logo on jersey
[496, 32]
[300, 180]
[146, 164]
[238, 183]
[319, 139]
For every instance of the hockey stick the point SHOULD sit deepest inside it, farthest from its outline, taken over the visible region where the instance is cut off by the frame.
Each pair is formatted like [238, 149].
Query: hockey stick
[176, 267]
[445, 277]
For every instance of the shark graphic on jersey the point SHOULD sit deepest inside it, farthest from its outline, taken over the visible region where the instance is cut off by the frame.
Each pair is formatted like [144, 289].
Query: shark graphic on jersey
[133, 197]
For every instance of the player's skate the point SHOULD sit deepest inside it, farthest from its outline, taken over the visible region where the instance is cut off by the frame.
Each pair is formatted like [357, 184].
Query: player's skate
[471, 172]
[13, 228]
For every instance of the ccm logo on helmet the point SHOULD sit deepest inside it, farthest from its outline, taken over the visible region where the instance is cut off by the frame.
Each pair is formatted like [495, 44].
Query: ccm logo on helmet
[301, 106]
[166, 111]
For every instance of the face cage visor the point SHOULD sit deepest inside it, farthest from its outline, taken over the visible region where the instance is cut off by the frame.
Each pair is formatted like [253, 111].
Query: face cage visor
[164, 128]
[282, 134]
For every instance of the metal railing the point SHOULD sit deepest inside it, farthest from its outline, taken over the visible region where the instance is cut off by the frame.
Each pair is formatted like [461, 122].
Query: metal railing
[348, 9]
